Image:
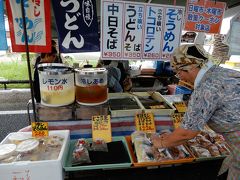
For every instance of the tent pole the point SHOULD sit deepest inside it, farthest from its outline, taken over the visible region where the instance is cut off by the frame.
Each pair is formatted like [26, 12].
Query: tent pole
[28, 59]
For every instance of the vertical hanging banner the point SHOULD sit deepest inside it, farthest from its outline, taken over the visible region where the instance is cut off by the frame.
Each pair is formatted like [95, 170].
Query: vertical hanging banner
[132, 36]
[38, 25]
[172, 31]
[143, 31]
[204, 16]
[3, 39]
[153, 32]
[77, 25]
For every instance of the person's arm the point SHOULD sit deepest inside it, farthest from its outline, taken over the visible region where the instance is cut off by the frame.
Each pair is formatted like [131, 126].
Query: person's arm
[177, 137]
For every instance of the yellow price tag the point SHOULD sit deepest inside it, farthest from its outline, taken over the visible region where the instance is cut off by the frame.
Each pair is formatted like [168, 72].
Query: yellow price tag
[180, 106]
[39, 129]
[177, 119]
[145, 122]
[101, 128]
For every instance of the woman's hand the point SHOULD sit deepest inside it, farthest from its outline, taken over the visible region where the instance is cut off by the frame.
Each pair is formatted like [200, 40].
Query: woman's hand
[156, 141]
[177, 137]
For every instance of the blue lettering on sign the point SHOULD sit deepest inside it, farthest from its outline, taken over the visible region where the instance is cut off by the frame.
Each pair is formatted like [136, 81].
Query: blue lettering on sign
[31, 23]
[150, 29]
[94, 81]
[169, 35]
[51, 81]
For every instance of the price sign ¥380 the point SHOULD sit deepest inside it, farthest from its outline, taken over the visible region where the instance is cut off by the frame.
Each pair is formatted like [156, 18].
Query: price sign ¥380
[145, 122]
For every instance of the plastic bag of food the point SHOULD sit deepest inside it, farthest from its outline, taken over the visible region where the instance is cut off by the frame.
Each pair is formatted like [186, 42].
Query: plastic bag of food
[179, 152]
[222, 147]
[192, 142]
[83, 142]
[161, 154]
[136, 135]
[213, 149]
[144, 153]
[80, 155]
[217, 138]
[203, 141]
[99, 145]
[200, 151]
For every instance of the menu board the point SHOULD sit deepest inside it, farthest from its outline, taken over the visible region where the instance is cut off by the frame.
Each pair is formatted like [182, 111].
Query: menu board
[132, 30]
[101, 128]
[145, 122]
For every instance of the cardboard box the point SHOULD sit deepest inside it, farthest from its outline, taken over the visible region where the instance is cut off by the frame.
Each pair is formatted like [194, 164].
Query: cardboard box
[37, 170]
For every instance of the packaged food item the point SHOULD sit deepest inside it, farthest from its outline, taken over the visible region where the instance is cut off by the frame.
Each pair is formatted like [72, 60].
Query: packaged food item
[84, 143]
[80, 155]
[6, 150]
[161, 154]
[16, 138]
[192, 142]
[179, 152]
[27, 146]
[99, 145]
[222, 147]
[200, 151]
[136, 135]
[203, 141]
[144, 152]
[217, 138]
[213, 149]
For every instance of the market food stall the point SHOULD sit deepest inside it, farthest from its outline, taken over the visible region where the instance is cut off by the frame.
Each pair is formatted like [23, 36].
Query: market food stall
[96, 134]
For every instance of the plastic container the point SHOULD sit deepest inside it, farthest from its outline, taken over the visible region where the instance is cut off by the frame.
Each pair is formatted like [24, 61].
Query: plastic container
[56, 84]
[91, 86]
[6, 150]
[43, 168]
[27, 146]
[17, 138]
[112, 155]
[182, 90]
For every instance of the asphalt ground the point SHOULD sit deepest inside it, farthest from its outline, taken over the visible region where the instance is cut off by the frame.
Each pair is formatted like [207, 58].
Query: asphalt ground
[13, 111]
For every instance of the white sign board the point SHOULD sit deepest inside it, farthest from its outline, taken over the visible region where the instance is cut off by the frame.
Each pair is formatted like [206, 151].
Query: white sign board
[142, 31]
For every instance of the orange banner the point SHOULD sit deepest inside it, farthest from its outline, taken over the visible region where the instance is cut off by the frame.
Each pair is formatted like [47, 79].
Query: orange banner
[204, 16]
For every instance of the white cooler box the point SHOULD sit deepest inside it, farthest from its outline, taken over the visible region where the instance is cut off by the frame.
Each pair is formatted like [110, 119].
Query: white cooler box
[37, 170]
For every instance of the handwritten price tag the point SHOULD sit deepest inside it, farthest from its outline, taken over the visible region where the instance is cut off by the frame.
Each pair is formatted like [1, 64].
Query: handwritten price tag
[39, 129]
[145, 122]
[177, 119]
[101, 128]
[180, 106]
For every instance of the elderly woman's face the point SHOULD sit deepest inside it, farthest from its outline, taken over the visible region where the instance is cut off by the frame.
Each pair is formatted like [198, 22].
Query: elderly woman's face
[187, 75]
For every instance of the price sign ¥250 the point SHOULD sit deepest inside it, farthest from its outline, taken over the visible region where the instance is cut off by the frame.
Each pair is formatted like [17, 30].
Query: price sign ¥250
[39, 129]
